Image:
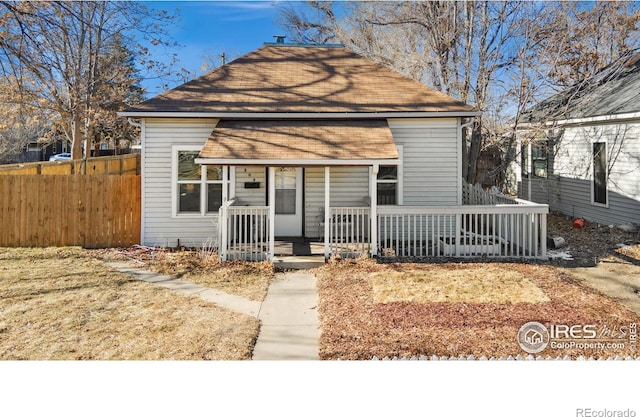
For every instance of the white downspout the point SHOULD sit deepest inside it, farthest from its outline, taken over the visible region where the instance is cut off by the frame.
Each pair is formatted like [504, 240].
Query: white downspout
[460, 150]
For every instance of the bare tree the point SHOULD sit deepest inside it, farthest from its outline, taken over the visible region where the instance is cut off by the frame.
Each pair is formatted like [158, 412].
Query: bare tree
[502, 57]
[459, 48]
[55, 52]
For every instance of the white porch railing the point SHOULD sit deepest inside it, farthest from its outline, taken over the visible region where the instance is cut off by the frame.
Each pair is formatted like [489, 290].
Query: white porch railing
[349, 231]
[502, 231]
[475, 195]
[245, 234]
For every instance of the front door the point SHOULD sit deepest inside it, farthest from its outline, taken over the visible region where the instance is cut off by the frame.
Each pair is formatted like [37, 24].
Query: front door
[288, 182]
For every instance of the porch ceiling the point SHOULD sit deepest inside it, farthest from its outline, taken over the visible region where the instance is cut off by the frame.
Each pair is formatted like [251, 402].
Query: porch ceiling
[300, 140]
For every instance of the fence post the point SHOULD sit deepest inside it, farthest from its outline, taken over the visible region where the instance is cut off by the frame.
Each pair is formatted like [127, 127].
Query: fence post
[224, 222]
[457, 236]
[543, 236]
[272, 211]
[373, 212]
[327, 210]
[222, 232]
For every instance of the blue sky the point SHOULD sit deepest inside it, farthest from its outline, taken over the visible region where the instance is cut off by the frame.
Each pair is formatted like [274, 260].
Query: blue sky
[212, 27]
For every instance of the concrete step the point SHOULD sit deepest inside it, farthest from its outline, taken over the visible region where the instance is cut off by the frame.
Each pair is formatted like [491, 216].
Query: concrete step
[298, 262]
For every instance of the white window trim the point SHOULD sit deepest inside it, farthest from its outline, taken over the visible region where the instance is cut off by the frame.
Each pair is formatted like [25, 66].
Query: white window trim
[175, 149]
[593, 173]
[400, 177]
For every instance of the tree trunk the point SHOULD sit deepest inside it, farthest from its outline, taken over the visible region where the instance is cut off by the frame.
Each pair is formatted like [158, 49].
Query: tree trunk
[76, 138]
[474, 152]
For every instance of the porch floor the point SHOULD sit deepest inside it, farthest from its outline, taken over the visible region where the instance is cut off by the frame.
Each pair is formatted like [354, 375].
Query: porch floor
[298, 246]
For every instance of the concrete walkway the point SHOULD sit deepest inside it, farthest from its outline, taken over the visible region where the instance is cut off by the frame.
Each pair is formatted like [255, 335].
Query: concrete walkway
[289, 328]
[289, 316]
[229, 301]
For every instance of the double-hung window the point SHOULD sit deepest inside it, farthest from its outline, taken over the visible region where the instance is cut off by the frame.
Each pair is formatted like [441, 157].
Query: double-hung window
[539, 157]
[197, 188]
[387, 185]
[389, 182]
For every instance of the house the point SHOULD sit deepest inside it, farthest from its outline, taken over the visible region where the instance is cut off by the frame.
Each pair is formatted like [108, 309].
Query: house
[581, 147]
[317, 143]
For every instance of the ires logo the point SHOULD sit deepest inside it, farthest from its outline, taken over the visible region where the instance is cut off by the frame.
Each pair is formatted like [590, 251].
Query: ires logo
[578, 331]
[534, 337]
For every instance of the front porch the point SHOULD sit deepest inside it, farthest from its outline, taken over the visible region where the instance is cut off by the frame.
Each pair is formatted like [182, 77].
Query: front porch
[485, 225]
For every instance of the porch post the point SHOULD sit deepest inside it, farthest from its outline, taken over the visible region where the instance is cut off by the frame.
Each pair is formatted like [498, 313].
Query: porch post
[272, 211]
[223, 221]
[543, 236]
[529, 171]
[327, 209]
[373, 210]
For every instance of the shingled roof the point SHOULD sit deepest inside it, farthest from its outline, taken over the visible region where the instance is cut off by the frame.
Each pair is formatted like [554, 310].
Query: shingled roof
[614, 90]
[301, 79]
[344, 140]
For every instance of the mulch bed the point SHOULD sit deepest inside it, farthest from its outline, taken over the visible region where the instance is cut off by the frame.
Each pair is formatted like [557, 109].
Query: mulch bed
[355, 327]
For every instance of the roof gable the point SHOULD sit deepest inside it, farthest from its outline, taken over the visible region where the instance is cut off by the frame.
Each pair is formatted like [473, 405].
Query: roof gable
[613, 90]
[301, 79]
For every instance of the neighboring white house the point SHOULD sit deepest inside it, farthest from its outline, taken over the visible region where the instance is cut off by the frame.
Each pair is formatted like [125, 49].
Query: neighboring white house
[312, 142]
[581, 147]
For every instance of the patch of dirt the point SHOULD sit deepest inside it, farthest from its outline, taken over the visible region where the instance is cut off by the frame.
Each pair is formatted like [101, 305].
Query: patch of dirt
[355, 326]
[591, 243]
[600, 261]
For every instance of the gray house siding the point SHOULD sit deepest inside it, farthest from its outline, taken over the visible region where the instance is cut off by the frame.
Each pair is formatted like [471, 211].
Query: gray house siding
[349, 187]
[430, 168]
[250, 196]
[429, 173]
[568, 188]
[159, 226]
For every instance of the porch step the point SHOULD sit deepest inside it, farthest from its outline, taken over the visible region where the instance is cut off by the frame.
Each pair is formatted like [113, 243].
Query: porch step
[298, 262]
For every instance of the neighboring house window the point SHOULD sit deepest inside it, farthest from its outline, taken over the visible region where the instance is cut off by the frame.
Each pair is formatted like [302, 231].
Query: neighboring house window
[387, 185]
[524, 161]
[539, 160]
[538, 163]
[600, 173]
[198, 188]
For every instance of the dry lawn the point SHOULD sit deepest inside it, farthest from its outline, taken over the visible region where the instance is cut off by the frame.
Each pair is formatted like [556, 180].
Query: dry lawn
[357, 325]
[245, 279]
[63, 304]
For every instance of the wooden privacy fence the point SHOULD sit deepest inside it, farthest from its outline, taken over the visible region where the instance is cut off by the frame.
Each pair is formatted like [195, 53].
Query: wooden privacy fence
[69, 210]
[104, 165]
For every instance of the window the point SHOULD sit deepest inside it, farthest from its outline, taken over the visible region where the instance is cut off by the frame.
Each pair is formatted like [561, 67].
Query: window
[387, 185]
[285, 182]
[198, 188]
[600, 173]
[189, 182]
[538, 165]
[524, 161]
[539, 160]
